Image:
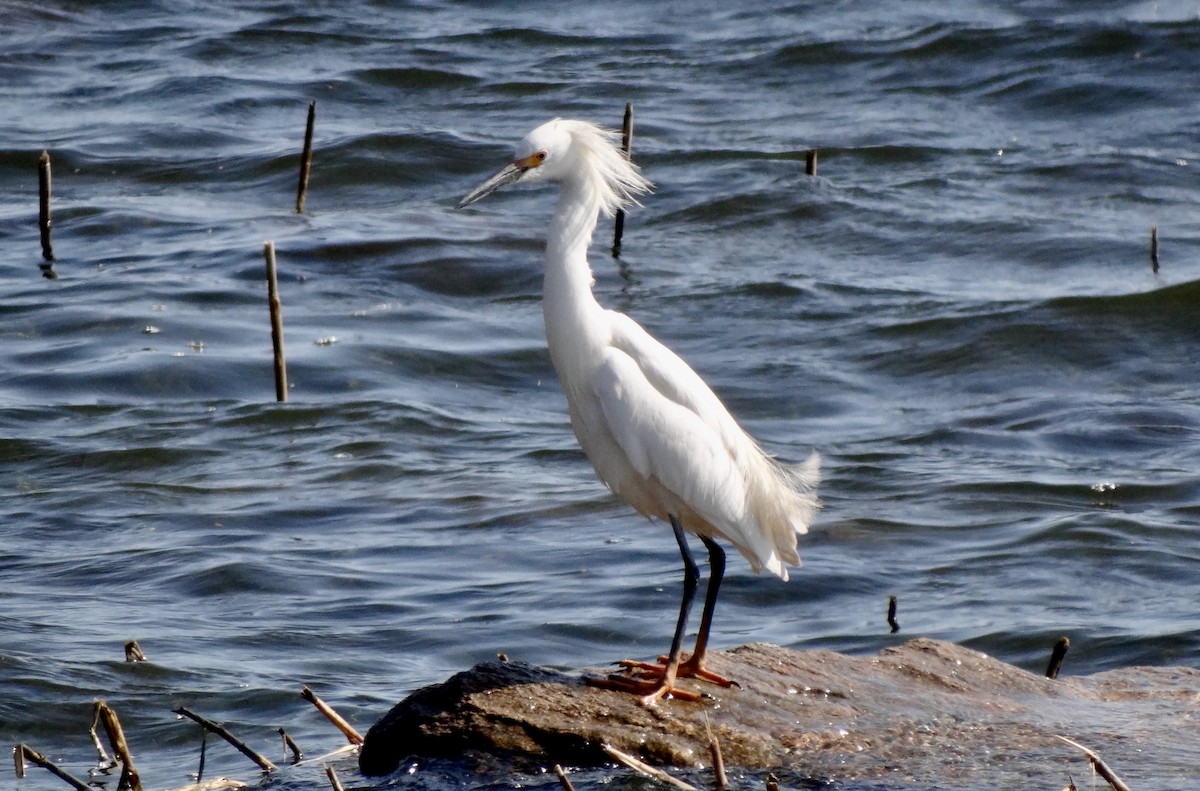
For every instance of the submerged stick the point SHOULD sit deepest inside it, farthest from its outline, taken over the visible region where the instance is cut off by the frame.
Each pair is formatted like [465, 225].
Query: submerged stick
[1056, 657]
[44, 204]
[116, 739]
[718, 761]
[891, 615]
[644, 768]
[133, 652]
[563, 780]
[339, 722]
[263, 763]
[203, 756]
[276, 308]
[23, 753]
[1098, 764]
[291, 746]
[333, 779]
[1154, 249]
[810, 162]
[105, 762]
[626, 143]
[306, 158]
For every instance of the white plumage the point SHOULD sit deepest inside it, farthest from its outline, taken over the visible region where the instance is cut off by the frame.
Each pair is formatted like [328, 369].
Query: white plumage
[654, 431]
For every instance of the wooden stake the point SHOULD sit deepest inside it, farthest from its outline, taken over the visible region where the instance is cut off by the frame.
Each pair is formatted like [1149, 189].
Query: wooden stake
[810, 163]
[306, 158]
[263, 763]
[1101, 768]
[105, 762]
[23, 752]
[626, 143]
[891, 615]
[1154, 249]
[276, 308]
[116, 740]
[353, 736]
[1056, 657]
[563, 780]
[44, 204]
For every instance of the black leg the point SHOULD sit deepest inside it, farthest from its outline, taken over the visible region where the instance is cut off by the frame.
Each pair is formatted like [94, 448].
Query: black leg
[716, 562]
[691, 575]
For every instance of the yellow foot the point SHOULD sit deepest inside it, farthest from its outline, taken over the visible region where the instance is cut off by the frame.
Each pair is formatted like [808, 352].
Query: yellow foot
[650, 691]
[688, 669]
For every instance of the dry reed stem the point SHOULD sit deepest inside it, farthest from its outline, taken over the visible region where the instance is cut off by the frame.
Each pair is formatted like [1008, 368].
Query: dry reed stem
[290, 745]
[626, 145]
[23, 752]
[44, 205]
[116, 740]
[1098, 765]
[339, 722]
[276, 309]
[263, 763]
[306, 158]
[642, 767]
[563, 780]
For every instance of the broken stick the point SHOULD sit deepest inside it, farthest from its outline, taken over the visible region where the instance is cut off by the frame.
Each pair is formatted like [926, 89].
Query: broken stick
[263, 763]
[116, 740]
[1098, 764]
[644, 768]
[23, 752]
[353, 736]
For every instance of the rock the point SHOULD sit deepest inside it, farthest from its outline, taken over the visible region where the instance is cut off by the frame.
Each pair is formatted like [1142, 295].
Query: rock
[927, 711]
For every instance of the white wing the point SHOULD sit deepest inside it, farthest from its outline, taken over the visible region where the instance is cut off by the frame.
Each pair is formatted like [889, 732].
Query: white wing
[671, 427]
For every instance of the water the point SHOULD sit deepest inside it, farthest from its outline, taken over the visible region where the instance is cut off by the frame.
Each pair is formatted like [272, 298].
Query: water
[958, 312]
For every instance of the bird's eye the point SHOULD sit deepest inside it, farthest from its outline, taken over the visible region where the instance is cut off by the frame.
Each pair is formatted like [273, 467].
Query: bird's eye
[540, 156]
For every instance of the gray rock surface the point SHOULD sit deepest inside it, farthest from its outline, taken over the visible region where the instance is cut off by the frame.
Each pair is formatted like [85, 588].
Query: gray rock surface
[927, 712]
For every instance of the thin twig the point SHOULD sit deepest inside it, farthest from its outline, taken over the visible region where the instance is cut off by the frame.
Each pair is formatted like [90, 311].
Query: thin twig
[262, 762]
[203, 755]
[276, 309]
[644, 768]
[306, 158]
[105, 762]
[1154, 249]
[714, 749]
[563, 780]
[1098, 764]
[626, 145]
[23, 752]
[44, 204]
[891, 615]
[291, 746]
[810, 162]
[116, 740]
[339, 722]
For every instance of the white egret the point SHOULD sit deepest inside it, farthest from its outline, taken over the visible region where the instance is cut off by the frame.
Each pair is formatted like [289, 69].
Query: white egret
[653, 430]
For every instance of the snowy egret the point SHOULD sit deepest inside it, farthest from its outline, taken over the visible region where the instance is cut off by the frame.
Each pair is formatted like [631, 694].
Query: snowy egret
[653, 430]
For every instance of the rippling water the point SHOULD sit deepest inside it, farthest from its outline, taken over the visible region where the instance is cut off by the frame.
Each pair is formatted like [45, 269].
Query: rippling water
[958, 312]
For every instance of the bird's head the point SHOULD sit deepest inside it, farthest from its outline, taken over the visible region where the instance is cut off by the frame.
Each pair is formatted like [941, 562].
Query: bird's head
[573, 152]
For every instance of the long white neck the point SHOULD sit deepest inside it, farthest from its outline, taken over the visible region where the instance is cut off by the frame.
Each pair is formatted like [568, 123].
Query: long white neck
[569, 308]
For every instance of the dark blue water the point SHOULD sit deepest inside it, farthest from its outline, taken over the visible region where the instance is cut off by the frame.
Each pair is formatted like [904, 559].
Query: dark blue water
[958, 312]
